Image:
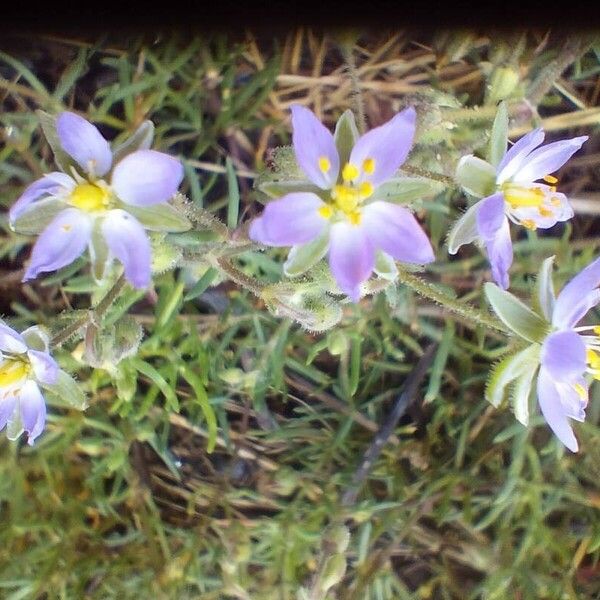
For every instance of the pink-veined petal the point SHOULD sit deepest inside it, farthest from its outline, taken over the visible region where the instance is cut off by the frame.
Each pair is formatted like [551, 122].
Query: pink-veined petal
[291, 220]
[386, 146]
[395, 230]
[351, 257]
[63, 241]
[84, 143]
[314, 148]
[147, 177]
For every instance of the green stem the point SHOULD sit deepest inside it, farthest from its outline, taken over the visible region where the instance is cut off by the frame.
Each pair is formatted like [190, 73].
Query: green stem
[357, 98]
[412, 170]
[93, 315]
[467, 311]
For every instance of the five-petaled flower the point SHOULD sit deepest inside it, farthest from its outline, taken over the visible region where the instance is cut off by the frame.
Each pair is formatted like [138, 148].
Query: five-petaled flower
[514, 193]
[24, 365]
[98, 204]
[563, 351]
[346, 210]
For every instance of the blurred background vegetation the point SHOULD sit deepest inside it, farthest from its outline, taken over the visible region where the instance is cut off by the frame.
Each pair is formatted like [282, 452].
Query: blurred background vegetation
[124, 500]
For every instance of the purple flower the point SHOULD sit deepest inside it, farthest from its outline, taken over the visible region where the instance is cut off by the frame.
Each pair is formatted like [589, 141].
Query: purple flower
[25, 364]
[101, 204]
[568, 352]
[515, 193]
[346, 215]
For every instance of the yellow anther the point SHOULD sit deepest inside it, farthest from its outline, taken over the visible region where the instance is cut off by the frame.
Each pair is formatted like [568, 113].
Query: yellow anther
[550, 179]
[12, 371]
[354, 217]
[89, 197]
[369, 165]
[597, 330]
[529, 224]
[553, 188]
[592, 359]
[581, 391]
[545, 212]
[366, 189]
[350, 172]
[555, 201]
[519, 197]
[326, 211]
[324, 164]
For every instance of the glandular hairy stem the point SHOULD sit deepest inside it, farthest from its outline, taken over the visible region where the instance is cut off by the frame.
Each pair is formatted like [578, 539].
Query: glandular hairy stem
[463, 309]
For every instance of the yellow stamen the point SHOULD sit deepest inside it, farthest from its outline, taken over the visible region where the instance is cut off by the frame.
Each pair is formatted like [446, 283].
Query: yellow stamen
[350, 172]
[518, 196]
[553, 188]
[89, 197]
[545, 212]
[529, 224]
[366, 189]
[593, 359]
[550, 179]
[369, 166]
[581, 391]
[555, 201]
[12, 371]
[597, 330]
[326, 211]
[354, 217]
[324, 164]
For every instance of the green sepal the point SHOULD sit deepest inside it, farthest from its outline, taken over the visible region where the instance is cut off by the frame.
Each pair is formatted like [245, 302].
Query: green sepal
[107, 347]
[304, 256]
[61, 158]
[403, 190]
[276, 189]
[514, 314]
[345, 136]
[521, 394]
[165, 256]
[66, 392]
[38, 216]
[385, 266]
[543, 296]
[464, 230]
[160, 217]
[476, 176]
[508, 370]
[499, 137]
[141, 139]
[99, 252]
[36, 338]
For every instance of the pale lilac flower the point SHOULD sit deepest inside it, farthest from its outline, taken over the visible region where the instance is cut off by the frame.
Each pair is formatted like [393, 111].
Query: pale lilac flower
[93, 206]
[346, 211]
[518, 196]
[568, 352]
[25, 364]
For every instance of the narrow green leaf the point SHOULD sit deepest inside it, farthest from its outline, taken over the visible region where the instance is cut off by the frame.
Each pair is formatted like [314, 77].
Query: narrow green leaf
[72, 73]
[233, 206]
[202, 284]
[151, 373]
[513, 313]
[202, 398]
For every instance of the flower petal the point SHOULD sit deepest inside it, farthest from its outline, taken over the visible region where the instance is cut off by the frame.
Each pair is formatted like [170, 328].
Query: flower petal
[33, 410]
[147, 177]
[517, 154]
[8, 403]
[387, 146]
[44, 366]
[395, 230]
[490, 216]
[577, 297]
[548, 159]
[11, 341]
[555, 208]
[127, 240]
[293, 219]
[351, 257]
[313, 142]
[500, 255]
[50, 184]
[563, 355]
[83, 142]
[553, 410]
[60, 243]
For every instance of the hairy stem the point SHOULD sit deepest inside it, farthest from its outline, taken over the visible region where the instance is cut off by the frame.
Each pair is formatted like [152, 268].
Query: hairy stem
[431, 292]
